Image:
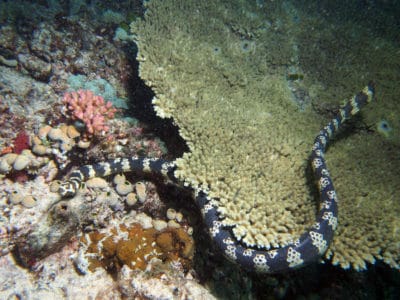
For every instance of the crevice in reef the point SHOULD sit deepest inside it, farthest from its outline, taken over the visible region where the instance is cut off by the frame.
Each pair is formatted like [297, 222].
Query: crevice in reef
[141, 108]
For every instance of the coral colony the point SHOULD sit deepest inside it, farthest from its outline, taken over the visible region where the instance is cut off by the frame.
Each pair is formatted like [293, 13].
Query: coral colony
[92, 110]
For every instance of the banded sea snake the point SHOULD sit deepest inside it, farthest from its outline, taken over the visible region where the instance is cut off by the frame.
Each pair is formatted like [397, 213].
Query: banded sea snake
[306, 249]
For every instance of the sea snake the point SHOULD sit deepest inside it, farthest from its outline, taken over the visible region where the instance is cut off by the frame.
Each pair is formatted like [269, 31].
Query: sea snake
[306, 249]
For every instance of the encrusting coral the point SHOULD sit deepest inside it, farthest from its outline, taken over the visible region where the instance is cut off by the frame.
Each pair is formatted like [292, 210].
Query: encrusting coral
[134, 246]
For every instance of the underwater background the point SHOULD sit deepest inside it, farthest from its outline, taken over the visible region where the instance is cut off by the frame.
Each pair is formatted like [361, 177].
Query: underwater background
[232, 91]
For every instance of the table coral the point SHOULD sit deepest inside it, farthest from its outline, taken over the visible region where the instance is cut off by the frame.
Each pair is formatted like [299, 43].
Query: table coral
[247, 140]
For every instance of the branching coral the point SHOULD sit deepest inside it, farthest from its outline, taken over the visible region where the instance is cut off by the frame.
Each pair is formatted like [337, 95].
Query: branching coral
[90, 109]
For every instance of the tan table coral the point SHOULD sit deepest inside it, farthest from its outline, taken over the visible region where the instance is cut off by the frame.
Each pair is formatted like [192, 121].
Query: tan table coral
[218, 72]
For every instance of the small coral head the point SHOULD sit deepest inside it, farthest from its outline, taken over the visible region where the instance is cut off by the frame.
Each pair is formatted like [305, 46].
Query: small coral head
[91, 109]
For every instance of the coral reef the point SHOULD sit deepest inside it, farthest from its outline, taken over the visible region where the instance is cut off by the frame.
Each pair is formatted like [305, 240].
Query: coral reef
[248, 139]
[368, 228]
[164, 287]
[37, 230]
[43, 237]
[98, 86]
[55, 277]
[248, 153]
[134, 246]
[22, 165]
[279, 68]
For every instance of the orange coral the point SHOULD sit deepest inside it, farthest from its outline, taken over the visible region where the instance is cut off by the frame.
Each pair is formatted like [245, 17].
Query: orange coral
[135, 247]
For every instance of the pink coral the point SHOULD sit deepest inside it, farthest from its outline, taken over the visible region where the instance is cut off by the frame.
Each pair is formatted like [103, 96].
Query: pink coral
[90, 109]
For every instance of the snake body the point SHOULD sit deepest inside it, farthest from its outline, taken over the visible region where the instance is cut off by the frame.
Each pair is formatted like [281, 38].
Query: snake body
[306, 249]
